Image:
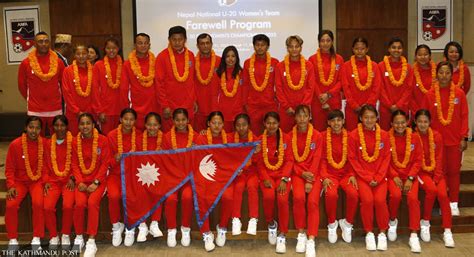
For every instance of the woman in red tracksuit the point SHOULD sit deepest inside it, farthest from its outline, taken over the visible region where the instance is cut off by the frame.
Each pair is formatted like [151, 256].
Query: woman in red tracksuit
[90, 163]
[424, 71]
[453, 53]
[369, 155]
[397, 82]
[448, 105]
[327, 66]
[294, 82]
[77, 87]
[125, 138]
[59, 181]
[306, 144]
[247, 179]
[274, 168]
[151, 140]
[230, 95]
[402, 174]
[431, 178]
[215, 134]
[361, 82]
[24, 169]
[337, 172]
[181, 135]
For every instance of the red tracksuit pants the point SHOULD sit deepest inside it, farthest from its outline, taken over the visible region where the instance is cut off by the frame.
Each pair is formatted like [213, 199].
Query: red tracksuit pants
[226, 209]
[92, 203]
[300, 203]
[332, 196]
[373, 198]
[171, 205]
[452, 157]
[433, 191]
[269, 196]
[11, 214]
[395, 197]
[50, 200]
[247, 181]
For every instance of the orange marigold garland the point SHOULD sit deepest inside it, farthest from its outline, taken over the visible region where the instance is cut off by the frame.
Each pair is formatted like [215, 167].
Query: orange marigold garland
[406, 159]
[54, 163]
[265, 152]
[336, 165]
[145, 81]
[26, 156]
[404, 74]
[365, 155]
[159, 139]
[77, 79]
[294, 144]
[332, 70]
[432, 152]
[419, 82]
[197, 68]
[174, 144]
[209, 136]
[235, 86]
[80, 157]
[36, 68]
[108, 72]
[120, 139]
[175, 68]
[288, 74]
[460, 83]
[355, 72]
[253, 82]
[439, 109]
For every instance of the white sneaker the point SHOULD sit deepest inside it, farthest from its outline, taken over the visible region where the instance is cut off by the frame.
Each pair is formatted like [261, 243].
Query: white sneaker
[36, 241]
[272, 234]
[142, 232]
[79, 242]
[252, 226]
[171, 240]
[117, 230]
[310, 248]
[220, 239]
[382, 242]
[129, 237]
[414, 243]
[346, 228]
[155, 229]
[425, 230]
[454, 209]
[301, 243]
[370, 242]
[448, 239]
[208, 239]
[332, 232]
[54, 241]
[65, 240]
[281, 244]
[392, 230]
[185, 236]
[91, 248]
[13, 242]
[236, 227]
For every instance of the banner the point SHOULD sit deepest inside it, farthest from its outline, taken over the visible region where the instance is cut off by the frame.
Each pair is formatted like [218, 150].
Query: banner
[148, 178]
[435, 23]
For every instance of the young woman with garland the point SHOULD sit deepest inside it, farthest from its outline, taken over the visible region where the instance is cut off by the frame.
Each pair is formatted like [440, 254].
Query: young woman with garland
[424, 70]
[453, 53]
[90, 163]
[125, 138]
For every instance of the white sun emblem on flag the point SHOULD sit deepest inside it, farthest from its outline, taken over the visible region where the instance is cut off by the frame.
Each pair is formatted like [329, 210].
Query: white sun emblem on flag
[148, 174]
[208, 167]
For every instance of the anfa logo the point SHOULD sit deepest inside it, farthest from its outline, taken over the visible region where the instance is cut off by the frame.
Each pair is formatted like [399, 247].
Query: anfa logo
[226, 2]
[434, 23]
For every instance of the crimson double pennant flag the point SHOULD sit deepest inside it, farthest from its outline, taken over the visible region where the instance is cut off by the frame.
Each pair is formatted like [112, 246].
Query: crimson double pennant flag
[148, 178]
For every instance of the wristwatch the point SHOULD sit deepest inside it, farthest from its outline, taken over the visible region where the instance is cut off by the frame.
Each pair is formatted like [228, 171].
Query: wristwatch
[96, 182]
[286, 179]
[411, 178]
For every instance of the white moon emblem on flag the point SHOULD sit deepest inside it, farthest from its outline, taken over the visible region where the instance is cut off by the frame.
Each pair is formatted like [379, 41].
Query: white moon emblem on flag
[208, 167]
[148, 174]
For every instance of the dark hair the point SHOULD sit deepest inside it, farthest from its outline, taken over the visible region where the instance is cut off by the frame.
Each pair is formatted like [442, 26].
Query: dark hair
[203, 36]
[261, 37]
[177, 30]
[336, 113]
[395, 40]
[331, 35]
[141, 35]
[97, 52]
[213, 114]
[78, 45]
[367, 107]
[86, 114]
[41, 33]
[424, 112]
[31, 119]
[244, 116]
[180, 111]
[128, 110]
[423, 46]
[62, 118]
[276, 116]
[115, 42]
[444, 63]
[399, 112]
[455, 44]
[302, 107]
[223, 66]
[153, 114]
[361, 40]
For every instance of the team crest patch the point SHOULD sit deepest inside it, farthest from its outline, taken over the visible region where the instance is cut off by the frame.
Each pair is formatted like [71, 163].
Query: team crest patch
[338, 66]
[190, 63]
[99, 150]
[412, 147]
[271, 69]
[284, 146]
[381, 145]
[312, 146]
[456, 100]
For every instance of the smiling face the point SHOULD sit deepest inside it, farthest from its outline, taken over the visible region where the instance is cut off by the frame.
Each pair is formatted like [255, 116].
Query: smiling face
[152, 126]
[325, 43]
[242, 127]
[369, 119]
[230, 59]
[92, 55]
[86, 125]
[60, 128]
[336, 124]
[81, 54]
[396, 50]
[453, 54]
[360, 50]
[423, 123]
[216, 124]
[423, 56]
[33, 129]
[271, 125]
[399, 124]
[127, 121]
[302, 118]
[180, 122]
[444, 75]
[142, 45]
